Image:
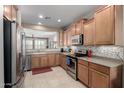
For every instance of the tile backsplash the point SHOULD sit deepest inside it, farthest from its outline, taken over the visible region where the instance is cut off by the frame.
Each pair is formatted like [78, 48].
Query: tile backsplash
[109, 51]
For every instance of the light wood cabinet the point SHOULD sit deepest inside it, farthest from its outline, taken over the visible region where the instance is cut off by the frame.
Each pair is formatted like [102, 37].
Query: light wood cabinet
[61, 38]
[14, 13]
[65, 38]
[73, 30]
[35, 62]
[57, 59]
[51, 59]
[119, 31]
[98, 79]
[83, 73]
[43, 61]
[10, 12]
[104, 26]
[99, 76]
[69, 37]
[89, 30]
[63, 61]
[7, 11]
[78, 27]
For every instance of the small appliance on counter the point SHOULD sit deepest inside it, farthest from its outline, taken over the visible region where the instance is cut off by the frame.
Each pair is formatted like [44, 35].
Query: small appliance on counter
[62, 50]
[89, 53]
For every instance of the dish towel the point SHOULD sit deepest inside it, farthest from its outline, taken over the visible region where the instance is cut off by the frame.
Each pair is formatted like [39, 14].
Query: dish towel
[67, 60]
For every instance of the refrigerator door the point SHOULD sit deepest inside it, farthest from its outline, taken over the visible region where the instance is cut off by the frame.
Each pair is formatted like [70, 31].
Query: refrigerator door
[7, 53]
[13, 68]
[13, 53]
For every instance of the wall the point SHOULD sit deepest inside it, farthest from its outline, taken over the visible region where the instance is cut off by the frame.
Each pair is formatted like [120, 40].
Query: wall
[40, 27]
[1, 47]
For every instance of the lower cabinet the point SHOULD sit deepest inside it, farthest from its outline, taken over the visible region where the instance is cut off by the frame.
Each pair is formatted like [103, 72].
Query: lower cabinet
[98, 79]
[83, 73]
[35, 62]
[63, 61]
[45, 60]
[57, 58]
[99, 76]
[51, 59]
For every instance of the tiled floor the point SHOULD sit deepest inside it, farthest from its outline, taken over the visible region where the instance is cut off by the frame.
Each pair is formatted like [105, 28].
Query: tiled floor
[58, 78]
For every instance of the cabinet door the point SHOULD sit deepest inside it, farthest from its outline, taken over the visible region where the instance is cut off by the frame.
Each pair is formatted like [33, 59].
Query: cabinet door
[61, 38]
[89, 33]
[69, 37]
[64, 62]
[14, 14]
[51, 59]
[65, 38]
[61, 60]
[78, 28]
[98, 79]
[73, 29]
[43, 61]
[104, 23]
[57, 59]
[83, 73]
[35, 62]
[8, 12]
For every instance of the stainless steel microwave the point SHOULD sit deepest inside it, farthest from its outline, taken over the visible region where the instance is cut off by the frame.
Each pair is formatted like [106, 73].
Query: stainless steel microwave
[77, 39]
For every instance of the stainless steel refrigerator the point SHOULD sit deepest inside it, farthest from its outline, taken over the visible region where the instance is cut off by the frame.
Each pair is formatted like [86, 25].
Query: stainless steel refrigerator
[14, 60]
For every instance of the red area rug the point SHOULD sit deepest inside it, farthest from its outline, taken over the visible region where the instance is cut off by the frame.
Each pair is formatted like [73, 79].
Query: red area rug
[40, 70]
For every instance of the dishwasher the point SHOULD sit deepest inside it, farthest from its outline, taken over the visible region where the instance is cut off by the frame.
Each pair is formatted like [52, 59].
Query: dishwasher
[28, 63]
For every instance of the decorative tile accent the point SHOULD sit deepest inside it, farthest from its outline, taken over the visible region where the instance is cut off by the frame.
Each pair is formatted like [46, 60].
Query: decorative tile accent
[116, 52]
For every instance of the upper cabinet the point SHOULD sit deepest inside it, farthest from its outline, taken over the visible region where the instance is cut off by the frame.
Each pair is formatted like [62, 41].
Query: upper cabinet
[78, 28]
[10, 12]
[61, 38]
[89, 29]
[119, 31]
[65, 38]
[104, 26]
[69, 37]
[14, 13]
[7, 11]
[73, 30]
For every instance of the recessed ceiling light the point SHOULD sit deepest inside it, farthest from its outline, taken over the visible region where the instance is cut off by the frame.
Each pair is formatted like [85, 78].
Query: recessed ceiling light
[59, 20]
[39, 23]
[40, 16]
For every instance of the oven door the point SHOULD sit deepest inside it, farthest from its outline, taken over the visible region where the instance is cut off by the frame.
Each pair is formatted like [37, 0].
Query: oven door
[71, 68]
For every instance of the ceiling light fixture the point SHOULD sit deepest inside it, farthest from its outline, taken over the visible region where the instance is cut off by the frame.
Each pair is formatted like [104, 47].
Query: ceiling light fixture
[59, 20]
[40, 16]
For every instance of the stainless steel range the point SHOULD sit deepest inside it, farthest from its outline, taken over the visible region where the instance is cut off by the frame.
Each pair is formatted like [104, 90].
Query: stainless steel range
[72, 66]
[72, 62]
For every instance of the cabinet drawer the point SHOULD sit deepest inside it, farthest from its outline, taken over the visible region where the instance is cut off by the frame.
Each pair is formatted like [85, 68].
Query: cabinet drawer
[82, 62]
[100, 68]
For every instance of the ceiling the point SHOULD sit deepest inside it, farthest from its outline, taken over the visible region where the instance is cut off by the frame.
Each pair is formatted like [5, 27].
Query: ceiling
[67, 14]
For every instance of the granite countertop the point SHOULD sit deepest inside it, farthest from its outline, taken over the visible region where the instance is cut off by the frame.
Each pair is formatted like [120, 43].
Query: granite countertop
[38, 53]
[108, 62]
